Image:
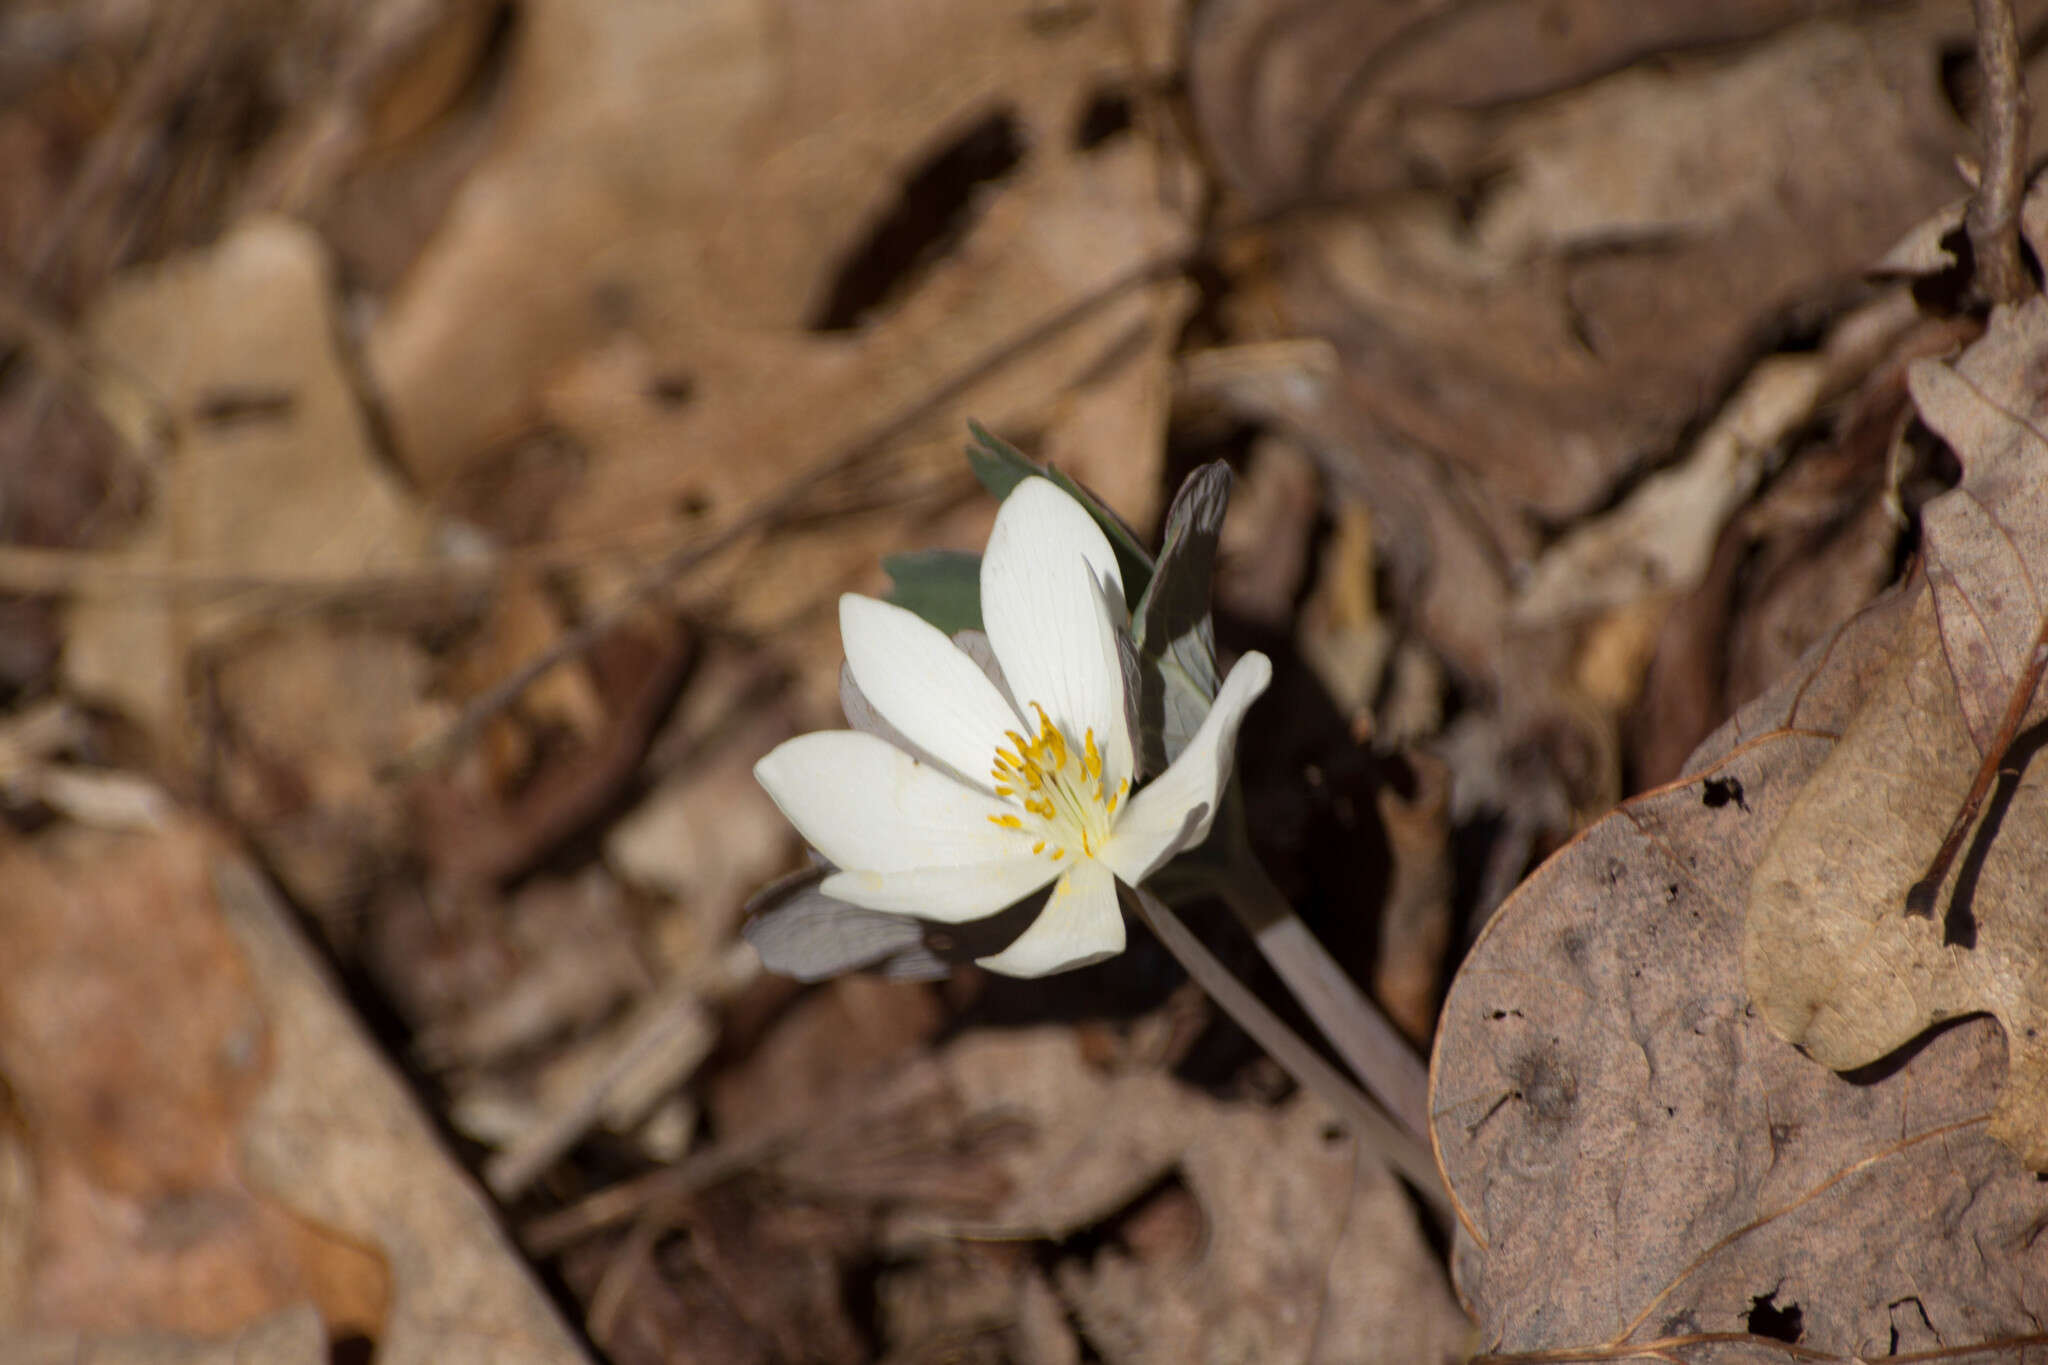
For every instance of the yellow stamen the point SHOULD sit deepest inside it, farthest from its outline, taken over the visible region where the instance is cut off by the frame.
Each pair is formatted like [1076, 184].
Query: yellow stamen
[1094, 757]
[1058, 854]
[1038, 847]
[1006, 821]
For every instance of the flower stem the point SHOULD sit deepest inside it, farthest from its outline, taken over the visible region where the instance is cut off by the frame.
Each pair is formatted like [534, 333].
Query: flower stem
[1363, 1036]
[1401, 1149]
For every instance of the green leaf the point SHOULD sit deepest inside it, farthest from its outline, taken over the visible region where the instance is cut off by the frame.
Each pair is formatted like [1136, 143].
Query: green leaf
[942, 586]
[1001, 467]
[1175, 639]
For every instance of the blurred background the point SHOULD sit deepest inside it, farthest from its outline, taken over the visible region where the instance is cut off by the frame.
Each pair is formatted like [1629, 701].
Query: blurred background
[434, 435]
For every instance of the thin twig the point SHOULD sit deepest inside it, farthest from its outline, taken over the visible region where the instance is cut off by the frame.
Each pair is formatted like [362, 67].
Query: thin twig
[1390, 1140]
[1920, 898]
[1994, 216]
[785, 502]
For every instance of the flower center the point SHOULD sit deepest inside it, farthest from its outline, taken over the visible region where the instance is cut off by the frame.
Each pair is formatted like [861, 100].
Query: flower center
[1059, 788]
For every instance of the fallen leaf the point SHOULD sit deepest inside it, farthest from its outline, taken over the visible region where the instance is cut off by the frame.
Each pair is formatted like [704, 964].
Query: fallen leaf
[291, 1337]
[1662, 537]
[1284, 1243]
[1836, 960]
[1987, 539]
[745, 241]
[832, 1042]
[1641, 1167]
[214, 1141]
[271, 475]
[1558, 231]
[337, 1138]
[307, 717]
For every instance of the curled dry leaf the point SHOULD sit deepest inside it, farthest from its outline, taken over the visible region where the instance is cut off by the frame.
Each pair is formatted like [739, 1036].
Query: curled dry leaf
[1640, 1165]
[1506, 277]
[1835, 961]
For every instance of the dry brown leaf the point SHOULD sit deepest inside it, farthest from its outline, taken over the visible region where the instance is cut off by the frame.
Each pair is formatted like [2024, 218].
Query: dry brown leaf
[1987, 541]
[1835, 961]
[1285, 1244]
[700, 204]
[133, 1041]
[307, 717]
[1641, 1166]
[270, 474]
[292, 1337]
[833, 1042]
[1564, 227]
[1662, 538]
[214, 1142]
[337, 1138]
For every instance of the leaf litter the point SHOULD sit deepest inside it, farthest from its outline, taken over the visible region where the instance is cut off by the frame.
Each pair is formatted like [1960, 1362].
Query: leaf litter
[360, 361]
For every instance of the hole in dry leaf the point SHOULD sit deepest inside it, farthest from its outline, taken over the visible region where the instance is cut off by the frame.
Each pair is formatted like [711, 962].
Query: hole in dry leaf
[1766, 1319]
[1720, 791]
[1108, 113]
[932, 213]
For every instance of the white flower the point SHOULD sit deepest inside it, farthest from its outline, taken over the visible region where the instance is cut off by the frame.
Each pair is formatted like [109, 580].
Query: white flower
[1006, 793]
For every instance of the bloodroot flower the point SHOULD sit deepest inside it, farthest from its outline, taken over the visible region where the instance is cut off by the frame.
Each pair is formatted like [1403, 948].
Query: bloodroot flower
[1003, 786]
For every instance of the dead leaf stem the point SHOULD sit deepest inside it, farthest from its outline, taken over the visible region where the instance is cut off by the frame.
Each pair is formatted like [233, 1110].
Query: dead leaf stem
[1994, 216]
[1920, 897]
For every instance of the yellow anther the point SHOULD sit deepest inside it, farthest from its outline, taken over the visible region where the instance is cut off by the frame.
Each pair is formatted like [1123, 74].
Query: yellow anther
[1006, 821]
[1004, 791]
[1109, 804]
[1058, 854]
[1094, 756]
[1038, 847]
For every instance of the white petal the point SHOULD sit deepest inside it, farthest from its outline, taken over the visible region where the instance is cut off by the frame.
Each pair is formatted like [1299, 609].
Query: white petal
[923, 686]
[947, 894]
[1079, 925]
[1049, 585]
[868, 806]
[1173, 813]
